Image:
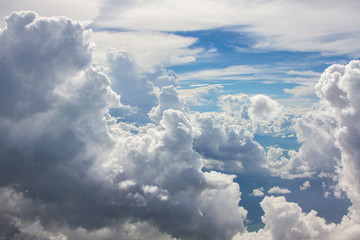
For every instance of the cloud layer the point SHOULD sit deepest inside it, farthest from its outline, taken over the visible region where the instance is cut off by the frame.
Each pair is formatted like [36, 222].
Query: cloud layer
[277, 24]
[100, 152]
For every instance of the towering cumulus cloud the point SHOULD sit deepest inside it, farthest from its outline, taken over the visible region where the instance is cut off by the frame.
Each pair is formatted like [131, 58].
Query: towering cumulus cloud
[69, 170]
[93, 152]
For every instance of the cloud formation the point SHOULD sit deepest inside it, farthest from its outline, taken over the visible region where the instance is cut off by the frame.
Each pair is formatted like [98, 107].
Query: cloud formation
[267, 26]
[334, 121]
[84, 173]
[71, 170]
[258, 192]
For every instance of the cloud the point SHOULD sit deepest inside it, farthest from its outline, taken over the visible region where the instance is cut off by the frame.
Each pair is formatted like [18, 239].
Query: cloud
[136, 89]
[278, 190]
[60, 145]
[255, 108]
[301, 91]
[329, 134]
[236, 72]
[150, 49]
[267, 26]
[168, 175]
[78, 10]
[305, 185]
[263, 107]
[285, 220]
[304, 73]
[258, 192]
[200, 95]
[229, 143]
[168, 99]
[337, 89]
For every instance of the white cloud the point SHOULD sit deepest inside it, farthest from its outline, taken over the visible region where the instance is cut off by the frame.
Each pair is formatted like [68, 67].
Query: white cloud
[338, 89]
[278, 24]
[304, 73]
[220, 139]
[285, 220]
[236, 72]
[200, 95]
[278, 190]
[150, 49]
[305, 185]
[258, 192]
[301, 91]
[168, 99]
[263, 106]
[255, 107]
[136, 89]
[78, 10]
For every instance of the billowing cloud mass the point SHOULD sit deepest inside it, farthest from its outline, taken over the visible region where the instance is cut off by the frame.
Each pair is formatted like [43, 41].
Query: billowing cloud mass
[113, 152]
[84, 173]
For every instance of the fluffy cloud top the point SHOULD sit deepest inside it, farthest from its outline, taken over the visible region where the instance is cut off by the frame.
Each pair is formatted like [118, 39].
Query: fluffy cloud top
[255, 108]
[278, 190]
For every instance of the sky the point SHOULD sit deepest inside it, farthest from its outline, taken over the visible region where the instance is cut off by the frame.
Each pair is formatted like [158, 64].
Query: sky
[179, 120]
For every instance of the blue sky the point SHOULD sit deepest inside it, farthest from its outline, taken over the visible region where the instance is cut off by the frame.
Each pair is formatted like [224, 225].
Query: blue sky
[178, 120]
[276, 70]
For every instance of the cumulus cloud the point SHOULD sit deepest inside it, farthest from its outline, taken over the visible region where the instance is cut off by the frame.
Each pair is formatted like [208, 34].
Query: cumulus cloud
[168, 99]
[337, 89]
[255, 108]
[229, 144]
[60, 145]
[258, 192]
[285, 220]
[305, 185]
[167, 172]
[263, 106]
[278, 190]
[136, 89]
